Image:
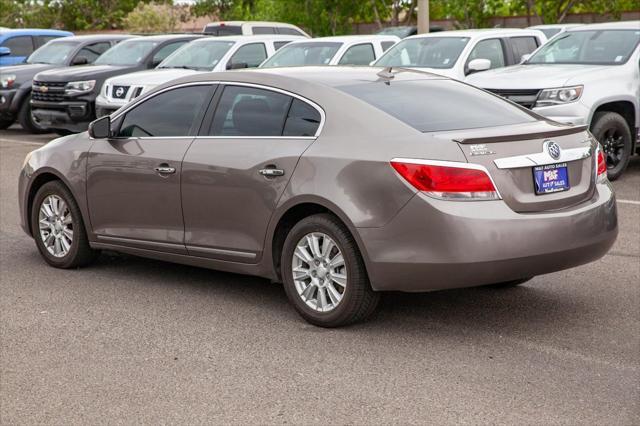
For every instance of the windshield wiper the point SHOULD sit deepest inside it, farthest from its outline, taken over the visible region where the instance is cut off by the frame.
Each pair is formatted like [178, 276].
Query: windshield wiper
[184, 67]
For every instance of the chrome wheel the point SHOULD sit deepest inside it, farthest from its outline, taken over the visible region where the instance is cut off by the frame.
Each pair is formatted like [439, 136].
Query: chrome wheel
[319, 272]
[56, 225]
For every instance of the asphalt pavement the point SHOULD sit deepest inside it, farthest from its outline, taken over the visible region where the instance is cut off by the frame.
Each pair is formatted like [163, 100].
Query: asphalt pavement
[130, 340]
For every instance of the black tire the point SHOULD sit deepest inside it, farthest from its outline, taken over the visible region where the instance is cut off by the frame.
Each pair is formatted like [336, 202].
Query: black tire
[513, 283]
[612, 131]
[80, 252]
[5, 124]
[61, 132]
[358, 301]
[27, 121]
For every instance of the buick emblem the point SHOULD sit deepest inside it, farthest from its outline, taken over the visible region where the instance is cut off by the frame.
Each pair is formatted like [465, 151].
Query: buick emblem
[553, 149]
[119, 92]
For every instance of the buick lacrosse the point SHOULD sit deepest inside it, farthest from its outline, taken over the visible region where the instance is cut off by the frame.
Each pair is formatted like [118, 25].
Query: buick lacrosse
[338, 182]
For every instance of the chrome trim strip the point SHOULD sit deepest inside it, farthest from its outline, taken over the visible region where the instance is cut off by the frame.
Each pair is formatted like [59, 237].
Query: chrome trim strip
[458, 164]
[317, 107]
[194, 250]
[150, 244]
[543, 158]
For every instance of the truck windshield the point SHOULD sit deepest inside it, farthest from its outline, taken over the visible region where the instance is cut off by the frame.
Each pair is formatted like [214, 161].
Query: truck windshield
[307, 53]
[425, 52]
[129, 52]
[201, 55]
[56, 53]
[597, 47]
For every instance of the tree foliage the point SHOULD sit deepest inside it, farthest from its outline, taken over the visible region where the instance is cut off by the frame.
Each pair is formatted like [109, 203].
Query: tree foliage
[152, 18]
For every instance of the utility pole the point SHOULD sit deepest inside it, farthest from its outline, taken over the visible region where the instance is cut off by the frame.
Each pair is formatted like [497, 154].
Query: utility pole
[423, 16]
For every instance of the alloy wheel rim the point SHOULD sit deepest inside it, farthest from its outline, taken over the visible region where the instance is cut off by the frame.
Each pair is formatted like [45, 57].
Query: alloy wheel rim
[613, 146]
[319, 272]
[56, 226]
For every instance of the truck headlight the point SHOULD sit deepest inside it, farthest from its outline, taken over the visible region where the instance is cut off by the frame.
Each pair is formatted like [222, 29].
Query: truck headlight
[6, 81]
[77, 87]
[560, 95]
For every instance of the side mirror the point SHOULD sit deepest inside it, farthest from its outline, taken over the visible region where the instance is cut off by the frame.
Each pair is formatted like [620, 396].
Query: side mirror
[5, 51]
[525, 57]
[100, 128]
[80, 60]
[478, 65]
[237, 65]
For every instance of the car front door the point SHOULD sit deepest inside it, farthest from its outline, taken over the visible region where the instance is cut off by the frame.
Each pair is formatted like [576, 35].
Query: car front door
[133, 178]
[234, 174]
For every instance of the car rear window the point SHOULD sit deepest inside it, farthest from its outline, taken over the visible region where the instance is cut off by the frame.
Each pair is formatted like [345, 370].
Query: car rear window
[223, 30]
[438, 105]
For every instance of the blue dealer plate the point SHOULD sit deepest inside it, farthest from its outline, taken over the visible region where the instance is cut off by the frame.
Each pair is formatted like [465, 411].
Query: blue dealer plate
[551, 178]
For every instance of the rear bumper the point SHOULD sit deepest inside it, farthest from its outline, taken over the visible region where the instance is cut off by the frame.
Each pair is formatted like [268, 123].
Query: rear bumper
[432, 244]
[69, 115]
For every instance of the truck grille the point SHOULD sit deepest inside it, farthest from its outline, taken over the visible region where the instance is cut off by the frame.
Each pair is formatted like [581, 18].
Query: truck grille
[47, 91]
[524, 97]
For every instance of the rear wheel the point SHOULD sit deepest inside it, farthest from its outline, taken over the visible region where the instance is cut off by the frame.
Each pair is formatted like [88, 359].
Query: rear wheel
[324, 274]
[612, 131]
[58, 227]
[26, 119]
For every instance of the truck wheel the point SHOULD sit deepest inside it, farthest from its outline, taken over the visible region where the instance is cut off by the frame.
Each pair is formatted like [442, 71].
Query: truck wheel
[26, 120]
[4, 124]
[612, 131]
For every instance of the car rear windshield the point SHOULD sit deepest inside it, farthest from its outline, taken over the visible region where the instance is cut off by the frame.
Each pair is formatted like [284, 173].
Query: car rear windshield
[426, 52]
[130, 52]
[56, 53]
[306, 53]
[223, 30]
[597, 47]
[439, 105]
[201, 55]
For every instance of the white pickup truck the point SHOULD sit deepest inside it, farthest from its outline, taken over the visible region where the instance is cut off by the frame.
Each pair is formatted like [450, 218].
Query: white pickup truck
[587, 75]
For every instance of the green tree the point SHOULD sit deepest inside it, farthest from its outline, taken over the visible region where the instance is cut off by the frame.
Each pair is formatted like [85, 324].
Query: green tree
[152, 18]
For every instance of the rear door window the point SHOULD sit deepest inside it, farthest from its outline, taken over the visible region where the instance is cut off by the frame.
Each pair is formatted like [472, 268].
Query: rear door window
[278, 44]
[386, 45]
[20, 45]
[360, 54]
[289, 31]
[167, 50]
[251, 54]
[264, 30]
[93, 51]
[223, 30]
[42, 40]
[522, 46]
[490, 49]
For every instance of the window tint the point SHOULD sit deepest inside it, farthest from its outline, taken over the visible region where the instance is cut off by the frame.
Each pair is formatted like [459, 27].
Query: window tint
[251, 54]
[386, 45]
[20, 46]
[303, 120]
[289, 31]
[278, 44]
[222, 30]
[454, 105]
[200, 55]
[522, 46]
[42, 40]
[360, 54]
[128, 52]
[428, 52]
[247, 111]
[93, 51]
[304, 53]
[264, 30]
[167, 50]
[171, 113]
[55, 53]
[489, 49]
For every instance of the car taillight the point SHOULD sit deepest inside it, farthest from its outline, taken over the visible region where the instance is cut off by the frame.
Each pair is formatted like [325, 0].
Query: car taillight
[447, 180]
[602, 163]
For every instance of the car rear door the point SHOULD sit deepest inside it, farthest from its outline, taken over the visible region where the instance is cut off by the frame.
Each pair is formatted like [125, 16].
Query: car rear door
[133, 178]
[235, 172]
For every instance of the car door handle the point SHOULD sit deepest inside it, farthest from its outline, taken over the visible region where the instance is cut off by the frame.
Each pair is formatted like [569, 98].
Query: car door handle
[165, 169]
[269, 172]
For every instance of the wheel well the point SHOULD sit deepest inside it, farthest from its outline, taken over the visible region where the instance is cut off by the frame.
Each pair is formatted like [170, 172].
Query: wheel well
[294, 215]
[38, 182]
[624, 108]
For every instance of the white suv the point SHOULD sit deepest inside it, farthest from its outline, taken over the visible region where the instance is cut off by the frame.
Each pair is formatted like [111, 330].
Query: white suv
[251, 28]
[201, 55]
[588, 75]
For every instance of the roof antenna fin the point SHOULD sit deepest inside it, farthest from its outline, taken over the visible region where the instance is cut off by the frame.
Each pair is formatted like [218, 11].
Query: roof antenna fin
[386, 73]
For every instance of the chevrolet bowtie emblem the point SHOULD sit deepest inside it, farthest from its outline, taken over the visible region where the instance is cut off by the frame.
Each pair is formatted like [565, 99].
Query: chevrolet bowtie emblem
[44, 89]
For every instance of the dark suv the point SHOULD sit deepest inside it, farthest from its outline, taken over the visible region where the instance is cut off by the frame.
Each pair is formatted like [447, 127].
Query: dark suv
[63, 100]
[15, 90]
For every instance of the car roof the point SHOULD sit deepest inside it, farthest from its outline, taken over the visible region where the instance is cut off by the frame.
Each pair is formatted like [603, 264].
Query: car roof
[33, 31]
[167, 37]
[92, 37]
[351, 38]
[622, 25]
[282, 24]
[535, 27]
[254, 38]
[478, 32]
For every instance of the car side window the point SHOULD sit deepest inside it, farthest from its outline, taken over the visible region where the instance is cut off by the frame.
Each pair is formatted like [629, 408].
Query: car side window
[249, 111]
[167, 50]
[42, 40]
[251, 54]
[386, 45]
[302, 120]
[289, 31]
[93, 51]
[264, 30]
[171, 113]
[20, 45]
[522, 46]
[490, 49]
[360, 54]
[278, 44]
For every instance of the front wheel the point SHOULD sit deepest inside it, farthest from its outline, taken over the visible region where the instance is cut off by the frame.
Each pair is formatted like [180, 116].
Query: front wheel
[26, 119]
[324, 274]
[612, 131]
[58, 228]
